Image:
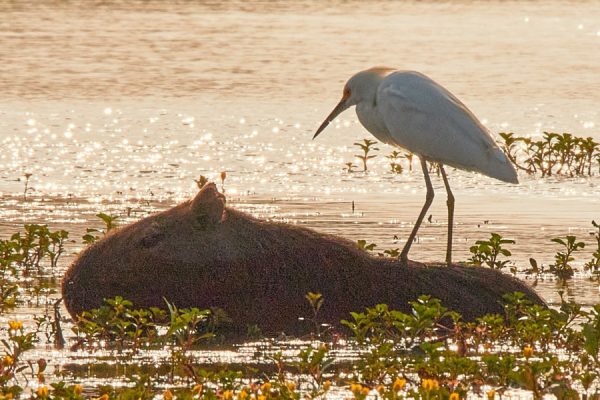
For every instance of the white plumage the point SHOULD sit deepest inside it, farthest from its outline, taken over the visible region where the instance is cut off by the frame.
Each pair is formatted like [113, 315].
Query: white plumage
[409, 110]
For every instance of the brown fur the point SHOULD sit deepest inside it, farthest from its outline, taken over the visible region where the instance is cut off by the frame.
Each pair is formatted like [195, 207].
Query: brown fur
[201, 254]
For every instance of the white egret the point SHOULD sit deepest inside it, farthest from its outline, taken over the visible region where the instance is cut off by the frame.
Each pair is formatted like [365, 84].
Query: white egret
[406, 109]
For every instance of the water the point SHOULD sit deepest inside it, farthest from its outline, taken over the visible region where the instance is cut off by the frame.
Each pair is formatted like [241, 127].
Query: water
[119, 107]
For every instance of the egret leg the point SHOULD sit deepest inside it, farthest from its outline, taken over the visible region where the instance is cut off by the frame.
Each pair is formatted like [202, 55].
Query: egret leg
[450, 203]
[428, 201]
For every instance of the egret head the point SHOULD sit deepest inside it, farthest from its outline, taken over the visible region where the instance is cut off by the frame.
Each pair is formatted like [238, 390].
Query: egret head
[361, 87]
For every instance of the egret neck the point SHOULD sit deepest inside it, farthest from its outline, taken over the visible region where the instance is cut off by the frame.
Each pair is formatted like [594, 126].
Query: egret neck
[366, 87]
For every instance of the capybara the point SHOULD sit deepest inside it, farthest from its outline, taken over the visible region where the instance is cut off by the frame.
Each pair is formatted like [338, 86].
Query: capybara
[202, 254]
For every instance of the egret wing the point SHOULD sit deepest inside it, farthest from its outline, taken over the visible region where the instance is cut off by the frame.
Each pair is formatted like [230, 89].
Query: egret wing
[426, 119]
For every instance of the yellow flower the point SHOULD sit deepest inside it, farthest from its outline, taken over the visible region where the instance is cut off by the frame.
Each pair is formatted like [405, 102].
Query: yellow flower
[167, 395]
[266, 387]
[197, 389]
[8, 396]
[227, 395]
[42, 392]
[243, 395]
[103, 397]
[327, 386]
[398, 385]
[355, 388]
[381, 389]
[261, 397]
[15, 325]
[454, 396]
[7, 361]
[430, 384]
[77, 390]
[528, 352]
[365, 391]
[491, 394]
[291, 386]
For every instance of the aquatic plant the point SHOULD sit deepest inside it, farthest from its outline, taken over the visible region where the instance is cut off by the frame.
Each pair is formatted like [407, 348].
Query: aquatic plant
[394, 253]
[32, 245]
[560, 154]
[56, 248]
[442, 354]
[50, 325]
[27, 188]
[117, 322]
[381, 323]
[594, 264]
[12, 366]
[562, 260]
[313, 364]
[409, 156]
[25, 253]
[109, 221]
[366, 147]
[316, 301]
[487, 252]
[62, 391]
[362, 244]
[9, 290]
[349, 167]
[185, 326]
[395, 167]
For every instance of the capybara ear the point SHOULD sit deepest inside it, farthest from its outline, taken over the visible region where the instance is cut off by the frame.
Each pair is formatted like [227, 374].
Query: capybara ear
[208, 205]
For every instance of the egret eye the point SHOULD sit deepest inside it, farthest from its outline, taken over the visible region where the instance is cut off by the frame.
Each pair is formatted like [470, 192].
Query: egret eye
[347, 93]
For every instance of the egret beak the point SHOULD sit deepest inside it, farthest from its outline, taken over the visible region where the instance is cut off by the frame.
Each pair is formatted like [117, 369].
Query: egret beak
[342, 106]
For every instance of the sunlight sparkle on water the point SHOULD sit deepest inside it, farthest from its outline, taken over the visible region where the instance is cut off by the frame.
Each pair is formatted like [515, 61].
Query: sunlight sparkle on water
[132, 160]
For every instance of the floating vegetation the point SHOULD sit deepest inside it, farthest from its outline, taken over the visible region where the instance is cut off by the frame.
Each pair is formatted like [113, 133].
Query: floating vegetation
[555, 154]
